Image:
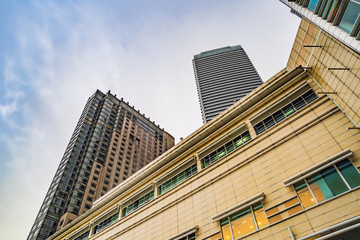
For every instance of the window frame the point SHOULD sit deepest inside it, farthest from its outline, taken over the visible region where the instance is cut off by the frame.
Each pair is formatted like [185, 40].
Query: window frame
[317, 168]
[81, 231]
[222, 142]
[136, 196]
[287, 101]
[238, 209]
[173, 172]
[247, 203]
[112, 211]
[184, 233]
[329, 189]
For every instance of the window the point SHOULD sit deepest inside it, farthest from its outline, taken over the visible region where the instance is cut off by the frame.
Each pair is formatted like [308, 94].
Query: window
[285, 111]
[139, 202]
[225, 149]
[177, 179]
[350, 15]
[327, 183]
[188, 234]
[190, 237]
[335, 6]
[312, 5]
[107, 222]
[243, 222]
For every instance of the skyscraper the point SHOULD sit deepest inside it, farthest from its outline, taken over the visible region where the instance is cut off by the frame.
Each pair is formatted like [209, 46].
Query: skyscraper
[111, 141]
[223, 76]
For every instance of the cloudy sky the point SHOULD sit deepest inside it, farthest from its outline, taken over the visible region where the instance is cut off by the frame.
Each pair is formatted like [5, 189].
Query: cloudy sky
[55, 54]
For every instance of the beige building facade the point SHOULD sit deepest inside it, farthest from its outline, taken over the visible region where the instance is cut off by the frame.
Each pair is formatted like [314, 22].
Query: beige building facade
[282, 163]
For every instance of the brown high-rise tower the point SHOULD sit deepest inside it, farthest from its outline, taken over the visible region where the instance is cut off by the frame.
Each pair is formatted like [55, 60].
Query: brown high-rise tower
[111, 141]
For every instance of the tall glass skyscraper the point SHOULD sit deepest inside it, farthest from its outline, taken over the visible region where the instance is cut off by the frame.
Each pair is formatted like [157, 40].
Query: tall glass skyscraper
[111, 141]
[223, 76]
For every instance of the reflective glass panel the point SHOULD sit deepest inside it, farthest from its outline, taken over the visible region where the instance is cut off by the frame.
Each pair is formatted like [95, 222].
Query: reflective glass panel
[288, 110]
[259, 128]
[226, 232]
[306, 198]
[299, 103]
[260, 216]
[269, 122]
[229, 147]
[350, 15]
[310, 96]
[242, 223]
[213, 157]
[246, 137]
[238, 141]
[279, 116]
[333, 11]
[221, 152]
[316, 182]
[327, 9]
[349, 172]
[334, 181]
[206, 161]
[312, 5]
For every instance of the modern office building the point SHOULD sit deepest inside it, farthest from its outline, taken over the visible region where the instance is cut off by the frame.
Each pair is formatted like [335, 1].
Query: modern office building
[223, 76]
[339, 18]
[111, 142]
[281, 163]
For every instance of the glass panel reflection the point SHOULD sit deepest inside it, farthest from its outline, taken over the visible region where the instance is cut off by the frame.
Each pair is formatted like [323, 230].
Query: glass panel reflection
[312, 5]
[306, 198]
[226, 232]
[260, 216]
[242, 223]
[349, 172]
[350, 15]
[323, 194]
[333, 181]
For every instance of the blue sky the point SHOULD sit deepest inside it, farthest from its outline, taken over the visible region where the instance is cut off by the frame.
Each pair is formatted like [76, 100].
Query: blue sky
[55, 54]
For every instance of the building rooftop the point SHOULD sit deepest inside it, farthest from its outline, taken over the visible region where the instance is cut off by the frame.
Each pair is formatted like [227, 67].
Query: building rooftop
[216, 51]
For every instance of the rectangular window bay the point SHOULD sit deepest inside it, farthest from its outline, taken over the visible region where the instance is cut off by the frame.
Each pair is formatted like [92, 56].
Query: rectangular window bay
[225, 149]
[277, 115]
[243, 222]
[105, 223]
[177, 179]
[83, 236]
[137, 203]
[327, 183]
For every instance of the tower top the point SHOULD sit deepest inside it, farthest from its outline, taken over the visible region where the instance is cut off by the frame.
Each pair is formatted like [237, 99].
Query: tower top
[216, 51]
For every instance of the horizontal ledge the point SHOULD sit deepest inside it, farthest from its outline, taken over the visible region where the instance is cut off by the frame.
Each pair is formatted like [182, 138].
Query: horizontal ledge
[326, 92]
[322, 165]
[336, 68]
[188, 162]
[334, 228]
[318, 46]
[257, 198]
[348, 128]
[185, 233]
[137, 194]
